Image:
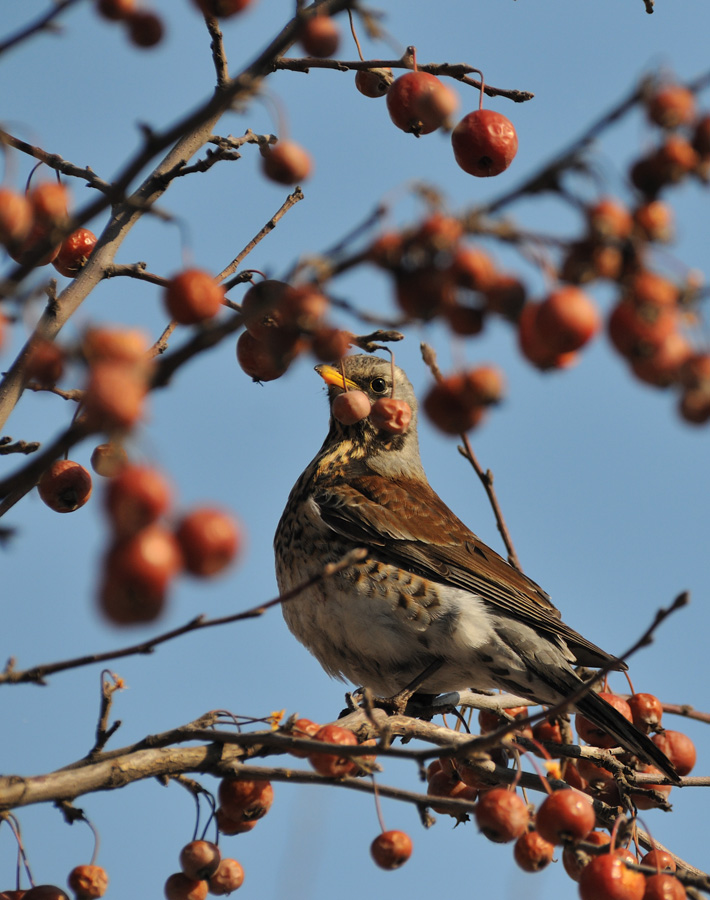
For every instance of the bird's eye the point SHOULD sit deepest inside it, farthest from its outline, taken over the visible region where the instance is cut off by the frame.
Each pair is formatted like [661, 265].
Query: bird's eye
[378, 385]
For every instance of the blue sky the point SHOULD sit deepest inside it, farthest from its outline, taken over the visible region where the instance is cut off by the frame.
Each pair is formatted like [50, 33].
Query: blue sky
[603, 488]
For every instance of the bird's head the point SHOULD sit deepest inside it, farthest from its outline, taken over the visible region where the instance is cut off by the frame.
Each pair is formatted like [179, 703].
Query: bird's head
[391, 448]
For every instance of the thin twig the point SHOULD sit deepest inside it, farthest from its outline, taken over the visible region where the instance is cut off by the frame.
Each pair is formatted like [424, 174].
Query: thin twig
[290, 201]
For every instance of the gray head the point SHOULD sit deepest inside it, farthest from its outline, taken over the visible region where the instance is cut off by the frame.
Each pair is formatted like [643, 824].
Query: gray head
[386, 453]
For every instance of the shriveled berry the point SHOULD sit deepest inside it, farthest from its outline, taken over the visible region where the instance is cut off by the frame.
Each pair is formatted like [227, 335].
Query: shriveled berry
[88, 882]
[179, 887]
[374, 82]
[679, 748]
[332, 764]
[74, 252]
[65, 486]
[391, 849]
[200, 859]
[532, 852]
[228, 877]
[391, 414]
[484, 142]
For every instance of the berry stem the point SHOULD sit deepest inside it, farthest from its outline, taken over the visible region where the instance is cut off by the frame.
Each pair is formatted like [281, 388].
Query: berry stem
[354, 34]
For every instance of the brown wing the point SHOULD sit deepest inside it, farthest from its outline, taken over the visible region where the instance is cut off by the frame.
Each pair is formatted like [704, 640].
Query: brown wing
[405, 523]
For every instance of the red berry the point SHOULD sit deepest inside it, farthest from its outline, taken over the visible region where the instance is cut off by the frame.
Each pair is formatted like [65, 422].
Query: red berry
[596, 736]
[532, 852]
[533, 344]
[286, 163]
[228, 877]
[636, 331]
[391, 414]
[209, 540]
[319, 36]
[374, 82]
[607, 878]
[671, 106]
[329, 764]
[114, 396]
[50, 201]
[453, 405]
[137, 573]
[501, 815]
[678, 748]
[258, 360]
[193, 296]
[446, 783]
[391, 849]
[565, 816]
[473, 268]
[646, 711]
[65, 486]
[654, 221]
[45, 363]
[351, 407]
[88, 882]
[547, 731]
[244, 798]
[566, 320]
[233, 824]
[124, 345]
[664, 887]
[574, 858]
[145, 28]
[659, 859]
[179, 887]
[137, 496]
[74, 252]
[662, 365]
[107, 460]
[419, 103]
[609, 219]
[200, 859]
[645, 801]
[484, 142]
[303, 728]
[24, 252]
[329, 344]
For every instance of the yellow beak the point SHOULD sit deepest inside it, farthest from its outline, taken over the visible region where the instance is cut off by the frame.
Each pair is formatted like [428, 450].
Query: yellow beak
[333, 376]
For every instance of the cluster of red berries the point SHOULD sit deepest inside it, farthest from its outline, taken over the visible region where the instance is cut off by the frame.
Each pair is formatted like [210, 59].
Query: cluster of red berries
[87, 882]
[145, 28]
[282, 321]
[484, 142]
[146, 553]
[437, 274]
[566, 817]
[29, 221]
[203, 870]
[684, 146]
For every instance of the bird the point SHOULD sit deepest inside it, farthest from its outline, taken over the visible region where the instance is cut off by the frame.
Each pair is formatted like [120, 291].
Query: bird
[430, 604]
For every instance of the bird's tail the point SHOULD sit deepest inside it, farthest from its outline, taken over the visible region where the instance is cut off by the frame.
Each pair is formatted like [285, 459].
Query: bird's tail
[610, 720]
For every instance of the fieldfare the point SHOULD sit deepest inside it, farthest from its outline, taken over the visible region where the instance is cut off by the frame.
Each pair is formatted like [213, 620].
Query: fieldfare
[430, 598]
